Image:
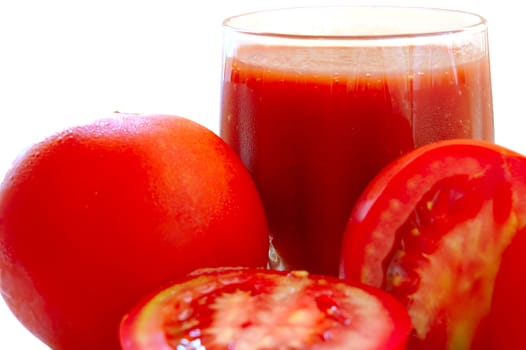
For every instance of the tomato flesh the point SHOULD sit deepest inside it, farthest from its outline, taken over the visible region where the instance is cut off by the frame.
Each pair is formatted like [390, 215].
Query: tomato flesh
[263, 309]
[432, 230]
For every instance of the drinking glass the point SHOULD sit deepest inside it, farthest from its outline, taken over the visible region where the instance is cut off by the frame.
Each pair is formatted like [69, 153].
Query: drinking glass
[317, 100]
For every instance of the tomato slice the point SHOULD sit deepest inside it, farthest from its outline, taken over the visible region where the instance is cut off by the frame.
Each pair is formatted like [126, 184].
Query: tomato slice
[256, 309]
[435, 229]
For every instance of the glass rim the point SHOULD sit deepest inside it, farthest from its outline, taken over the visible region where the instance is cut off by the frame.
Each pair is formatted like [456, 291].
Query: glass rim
[479, 23]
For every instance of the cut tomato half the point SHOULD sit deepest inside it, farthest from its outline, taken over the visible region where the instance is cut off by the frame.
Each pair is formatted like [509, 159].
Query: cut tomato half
[256, 309]
[440, 230]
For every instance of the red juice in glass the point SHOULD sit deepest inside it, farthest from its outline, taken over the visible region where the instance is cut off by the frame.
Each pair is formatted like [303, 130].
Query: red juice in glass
[314, 123]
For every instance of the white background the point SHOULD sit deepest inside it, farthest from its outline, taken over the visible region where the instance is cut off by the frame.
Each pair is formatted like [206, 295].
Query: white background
[68, 62]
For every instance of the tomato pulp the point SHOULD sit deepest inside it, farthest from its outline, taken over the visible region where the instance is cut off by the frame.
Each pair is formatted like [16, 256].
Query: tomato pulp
[256, 309]
[314, 125]
[443, 230]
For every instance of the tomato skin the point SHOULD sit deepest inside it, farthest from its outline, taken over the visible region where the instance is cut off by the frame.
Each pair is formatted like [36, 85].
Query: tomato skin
[95, 217]
[240, 308]
[466, 201]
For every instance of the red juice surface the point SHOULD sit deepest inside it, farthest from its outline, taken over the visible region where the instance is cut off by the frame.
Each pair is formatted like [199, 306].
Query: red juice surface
[314, 125]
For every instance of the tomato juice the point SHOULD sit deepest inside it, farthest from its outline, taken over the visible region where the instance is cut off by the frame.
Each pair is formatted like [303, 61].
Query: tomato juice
[314, 124]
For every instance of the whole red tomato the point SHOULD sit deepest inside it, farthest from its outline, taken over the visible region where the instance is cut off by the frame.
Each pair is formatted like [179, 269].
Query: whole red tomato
[443, 229]
[256, 309]
[97, 216]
